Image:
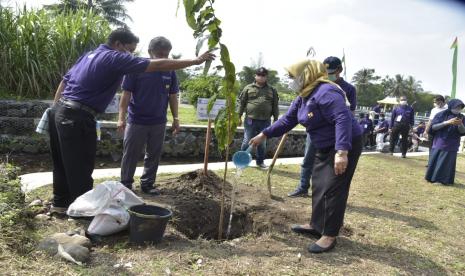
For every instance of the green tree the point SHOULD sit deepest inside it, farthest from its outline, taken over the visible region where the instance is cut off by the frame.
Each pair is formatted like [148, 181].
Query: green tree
[201, 86]
[370, 95]
[114, 11]
[364, 77]
[367, 91]
[398, 87]
[424, 102]
[412, 85]
[387, 83]
[412, 88]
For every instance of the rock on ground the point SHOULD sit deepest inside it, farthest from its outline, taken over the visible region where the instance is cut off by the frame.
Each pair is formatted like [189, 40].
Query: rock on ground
[63, 238]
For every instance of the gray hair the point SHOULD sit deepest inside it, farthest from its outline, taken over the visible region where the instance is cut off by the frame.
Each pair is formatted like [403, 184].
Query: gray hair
[159, 43]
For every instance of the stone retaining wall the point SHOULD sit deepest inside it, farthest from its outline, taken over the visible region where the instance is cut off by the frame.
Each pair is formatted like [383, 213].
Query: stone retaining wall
[19, 119]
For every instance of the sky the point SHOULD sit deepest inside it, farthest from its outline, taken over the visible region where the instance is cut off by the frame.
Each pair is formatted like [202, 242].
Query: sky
[408, 37]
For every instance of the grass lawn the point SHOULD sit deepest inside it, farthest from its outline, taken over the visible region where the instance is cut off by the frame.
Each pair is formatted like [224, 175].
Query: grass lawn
[395, 224]
[188, 116]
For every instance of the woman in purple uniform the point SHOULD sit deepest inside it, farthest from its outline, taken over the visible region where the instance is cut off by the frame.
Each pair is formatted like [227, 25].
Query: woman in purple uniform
[446, 127]
[322, 108]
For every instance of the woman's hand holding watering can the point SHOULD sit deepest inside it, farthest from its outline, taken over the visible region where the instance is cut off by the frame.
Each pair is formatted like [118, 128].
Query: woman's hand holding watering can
[257, 140]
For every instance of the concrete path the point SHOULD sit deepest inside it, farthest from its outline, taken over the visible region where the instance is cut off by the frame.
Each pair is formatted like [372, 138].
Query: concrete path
[33, 181]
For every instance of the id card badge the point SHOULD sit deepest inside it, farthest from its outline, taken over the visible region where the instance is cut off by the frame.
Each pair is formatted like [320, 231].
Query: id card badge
[365, 126]
[399, 118]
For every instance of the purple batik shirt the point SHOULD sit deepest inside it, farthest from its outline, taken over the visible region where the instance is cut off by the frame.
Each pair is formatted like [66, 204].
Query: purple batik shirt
[351, 93]
[403, 114]
[326, 117]
[150, 96]
[96, 76]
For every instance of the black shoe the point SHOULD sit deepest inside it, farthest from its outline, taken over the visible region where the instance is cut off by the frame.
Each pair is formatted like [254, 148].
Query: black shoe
[58, 210]
[298, 193]
[316, 249]
[150, 191]
[305, 231]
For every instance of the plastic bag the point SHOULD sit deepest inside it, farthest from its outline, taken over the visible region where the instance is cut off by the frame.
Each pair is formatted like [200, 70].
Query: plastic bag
[42, 126]
[97, 200]
[112, 220]
[107, 203]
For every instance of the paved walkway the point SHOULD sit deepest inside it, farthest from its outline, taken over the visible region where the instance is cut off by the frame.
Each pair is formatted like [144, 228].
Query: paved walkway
[33, 181]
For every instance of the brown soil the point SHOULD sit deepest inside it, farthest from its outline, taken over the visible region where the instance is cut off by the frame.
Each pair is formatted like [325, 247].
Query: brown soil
[195, 199]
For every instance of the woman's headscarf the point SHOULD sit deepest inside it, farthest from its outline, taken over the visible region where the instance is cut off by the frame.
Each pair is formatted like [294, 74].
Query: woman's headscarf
[312, 73]
[444, 116]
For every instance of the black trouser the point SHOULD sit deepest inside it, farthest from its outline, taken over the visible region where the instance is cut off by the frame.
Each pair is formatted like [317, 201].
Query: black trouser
[330, 191]
[365, 139]
[372, 138]
[402, 129]
[73, 140]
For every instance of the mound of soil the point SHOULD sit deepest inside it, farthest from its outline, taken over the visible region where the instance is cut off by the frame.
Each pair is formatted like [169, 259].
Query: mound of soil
[196, 202]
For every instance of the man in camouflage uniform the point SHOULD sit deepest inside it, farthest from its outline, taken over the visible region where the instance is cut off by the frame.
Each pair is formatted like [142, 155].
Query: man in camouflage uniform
[259, 101]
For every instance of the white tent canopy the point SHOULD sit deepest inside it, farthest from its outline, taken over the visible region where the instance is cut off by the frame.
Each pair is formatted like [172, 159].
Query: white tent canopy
[389, 100]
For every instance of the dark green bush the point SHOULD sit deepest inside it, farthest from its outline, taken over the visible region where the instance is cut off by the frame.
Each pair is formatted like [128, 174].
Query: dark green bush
[201, 87]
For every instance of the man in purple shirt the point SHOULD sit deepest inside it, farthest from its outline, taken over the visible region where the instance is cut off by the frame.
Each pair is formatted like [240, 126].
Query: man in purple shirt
[334, 69]
[336, 136]
[86, 89]
[148, 96]
[367, 127]
[402, 120]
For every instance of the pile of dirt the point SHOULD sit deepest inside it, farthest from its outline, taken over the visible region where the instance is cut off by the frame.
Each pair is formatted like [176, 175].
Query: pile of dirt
[196, 202]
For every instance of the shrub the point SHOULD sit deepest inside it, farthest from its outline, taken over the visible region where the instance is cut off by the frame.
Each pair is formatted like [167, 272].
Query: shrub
[38, 47]
[201, 87]
[16, 220]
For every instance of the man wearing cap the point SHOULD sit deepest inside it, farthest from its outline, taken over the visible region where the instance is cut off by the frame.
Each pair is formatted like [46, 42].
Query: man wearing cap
[334, 68]
[87, 89]
[259, 101]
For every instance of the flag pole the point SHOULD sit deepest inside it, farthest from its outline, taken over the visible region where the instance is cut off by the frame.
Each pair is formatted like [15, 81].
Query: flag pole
[454, 68]
[344, 61]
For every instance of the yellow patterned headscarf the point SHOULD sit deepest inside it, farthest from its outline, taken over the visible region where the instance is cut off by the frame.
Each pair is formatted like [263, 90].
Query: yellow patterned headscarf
[313, 73]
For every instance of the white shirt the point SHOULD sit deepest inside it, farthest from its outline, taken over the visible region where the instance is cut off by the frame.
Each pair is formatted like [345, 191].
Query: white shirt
[436, 110]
